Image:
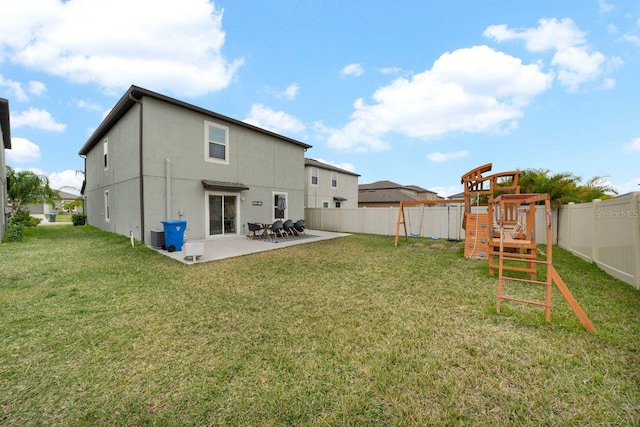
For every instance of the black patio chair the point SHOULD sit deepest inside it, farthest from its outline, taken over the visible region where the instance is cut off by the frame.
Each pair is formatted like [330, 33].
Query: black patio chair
[289, 229]
[254, 231]
[299, 226]
[277, 229]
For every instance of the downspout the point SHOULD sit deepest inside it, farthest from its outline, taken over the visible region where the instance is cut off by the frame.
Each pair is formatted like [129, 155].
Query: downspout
[140, 153]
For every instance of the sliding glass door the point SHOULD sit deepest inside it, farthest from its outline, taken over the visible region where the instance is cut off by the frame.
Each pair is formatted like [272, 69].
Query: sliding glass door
[222, 214]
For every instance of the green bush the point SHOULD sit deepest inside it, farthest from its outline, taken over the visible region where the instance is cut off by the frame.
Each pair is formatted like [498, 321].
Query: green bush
[24, 219]
[14, 232]
[20, 217]
[79, 219]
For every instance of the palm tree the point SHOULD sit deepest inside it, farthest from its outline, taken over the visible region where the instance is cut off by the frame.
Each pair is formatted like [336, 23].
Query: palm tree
[563, 187]
[26, 187]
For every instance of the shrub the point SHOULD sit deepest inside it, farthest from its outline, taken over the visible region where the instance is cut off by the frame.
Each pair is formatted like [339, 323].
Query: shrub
[14, 232]
[79, 219]
[24, 219]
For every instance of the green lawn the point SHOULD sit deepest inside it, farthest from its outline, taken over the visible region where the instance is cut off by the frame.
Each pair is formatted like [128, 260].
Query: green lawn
[351, 331]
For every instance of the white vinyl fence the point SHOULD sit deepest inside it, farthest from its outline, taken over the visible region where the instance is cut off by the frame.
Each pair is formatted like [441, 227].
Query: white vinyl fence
[605, 232]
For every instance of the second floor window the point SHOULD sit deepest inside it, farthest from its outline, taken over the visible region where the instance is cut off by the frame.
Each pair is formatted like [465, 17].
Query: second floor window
[216, 143]
[334, 179]
[314, 176]
[105, 153]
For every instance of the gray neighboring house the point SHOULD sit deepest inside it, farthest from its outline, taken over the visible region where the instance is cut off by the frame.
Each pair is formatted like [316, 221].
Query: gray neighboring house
[46, 209]
[156, 158]
[327, 186]
[5, 133]
[388, 193]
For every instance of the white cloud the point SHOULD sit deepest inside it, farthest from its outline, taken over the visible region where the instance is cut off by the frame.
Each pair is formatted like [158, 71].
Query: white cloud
[18, 91]
[84, 104]
[633, 145]
[176, 47]
[354, 70]
[628, 187]
[609, 83]
[275, 121]
[447, 191]
[67, 180]
[443, 157]
[22, 151]
[291, 91]
[575, 61]
[37, 118]
[469, 90]
[633, 38]
[605, 7]
[390, 70]
[36, 87]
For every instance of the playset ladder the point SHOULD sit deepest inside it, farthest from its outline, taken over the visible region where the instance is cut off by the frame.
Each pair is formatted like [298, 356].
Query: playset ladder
[551, 275]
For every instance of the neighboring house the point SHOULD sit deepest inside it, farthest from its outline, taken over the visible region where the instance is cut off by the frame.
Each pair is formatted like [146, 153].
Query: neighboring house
[387, 193]
[45, 208]
[155, 158]
[5, 134]
[328, 186]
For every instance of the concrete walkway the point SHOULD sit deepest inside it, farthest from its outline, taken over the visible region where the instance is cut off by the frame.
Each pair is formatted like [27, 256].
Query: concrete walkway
[45, 220]
[229, 247]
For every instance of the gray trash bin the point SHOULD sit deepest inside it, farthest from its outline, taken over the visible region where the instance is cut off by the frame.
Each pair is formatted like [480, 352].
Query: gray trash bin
[52, 217]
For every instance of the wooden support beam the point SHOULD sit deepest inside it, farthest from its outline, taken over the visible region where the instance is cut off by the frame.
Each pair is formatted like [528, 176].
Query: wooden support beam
[573, 303]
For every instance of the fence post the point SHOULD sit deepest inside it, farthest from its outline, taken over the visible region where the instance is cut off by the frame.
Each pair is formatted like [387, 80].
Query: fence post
[594, 236]
[569, 243]
[635, 213]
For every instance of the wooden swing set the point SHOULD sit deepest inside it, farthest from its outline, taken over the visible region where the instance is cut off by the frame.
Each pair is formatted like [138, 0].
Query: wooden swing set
[505, 235]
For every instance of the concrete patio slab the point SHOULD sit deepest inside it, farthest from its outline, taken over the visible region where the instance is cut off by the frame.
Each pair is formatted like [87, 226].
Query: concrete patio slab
[229, 247]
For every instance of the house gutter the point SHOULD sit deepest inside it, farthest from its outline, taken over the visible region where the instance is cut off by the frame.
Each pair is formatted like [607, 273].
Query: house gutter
[140, 153]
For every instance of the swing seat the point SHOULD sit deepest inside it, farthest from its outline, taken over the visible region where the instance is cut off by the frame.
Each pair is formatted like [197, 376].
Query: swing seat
[415, 234]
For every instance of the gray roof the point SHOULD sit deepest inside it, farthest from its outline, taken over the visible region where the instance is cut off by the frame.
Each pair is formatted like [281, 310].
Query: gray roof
[389, 195]
[135, 93]
[66, 196]
[4, 123]
[388, 185]
[379, 185]
[321, 165]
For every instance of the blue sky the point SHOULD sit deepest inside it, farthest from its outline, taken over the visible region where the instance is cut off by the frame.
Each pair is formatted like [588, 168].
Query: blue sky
[416, 92]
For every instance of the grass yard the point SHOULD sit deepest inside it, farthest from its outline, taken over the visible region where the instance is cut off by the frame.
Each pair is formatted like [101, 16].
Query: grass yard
[351, 331]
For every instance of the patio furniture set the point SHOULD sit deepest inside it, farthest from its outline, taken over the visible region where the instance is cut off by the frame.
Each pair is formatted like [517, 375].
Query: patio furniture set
[286, 230]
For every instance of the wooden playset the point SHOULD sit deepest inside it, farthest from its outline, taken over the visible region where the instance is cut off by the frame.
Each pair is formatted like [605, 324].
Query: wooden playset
[500, 226]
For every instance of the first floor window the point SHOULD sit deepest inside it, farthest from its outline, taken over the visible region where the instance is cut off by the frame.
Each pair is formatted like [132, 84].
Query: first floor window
[107, 207]
[222, 214]
[325, 204]
[279, 206]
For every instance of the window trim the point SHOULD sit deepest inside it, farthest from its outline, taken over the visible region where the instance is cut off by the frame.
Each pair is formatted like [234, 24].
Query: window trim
[286, 210]
[207, 141]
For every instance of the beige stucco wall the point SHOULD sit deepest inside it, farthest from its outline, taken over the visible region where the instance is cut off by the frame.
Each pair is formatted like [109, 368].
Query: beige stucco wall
[174, 146]
[323, 192]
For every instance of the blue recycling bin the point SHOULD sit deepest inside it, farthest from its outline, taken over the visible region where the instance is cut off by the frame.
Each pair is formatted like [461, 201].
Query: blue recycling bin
[174, 234]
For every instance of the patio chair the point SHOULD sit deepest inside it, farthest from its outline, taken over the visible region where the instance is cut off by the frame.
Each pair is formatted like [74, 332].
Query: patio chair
[254, 230]
[277, 229]
[289, 229]
[299, 226]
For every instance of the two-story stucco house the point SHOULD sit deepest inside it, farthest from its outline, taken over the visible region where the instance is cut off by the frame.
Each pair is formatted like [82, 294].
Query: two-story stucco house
[327, 186]
[5, 134]
[156, 158]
